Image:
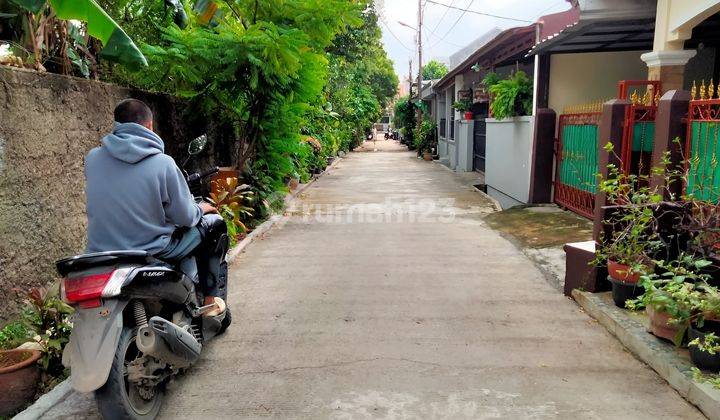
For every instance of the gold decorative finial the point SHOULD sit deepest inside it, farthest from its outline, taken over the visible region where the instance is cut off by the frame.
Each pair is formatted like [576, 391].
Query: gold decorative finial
[634, 97]
[693, 91]
[703, 90]
[711, 89]
[657, 98]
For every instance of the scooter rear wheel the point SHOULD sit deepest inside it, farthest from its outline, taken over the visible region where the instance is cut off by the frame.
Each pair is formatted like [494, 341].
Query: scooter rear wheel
[225, 322]
[119, 398]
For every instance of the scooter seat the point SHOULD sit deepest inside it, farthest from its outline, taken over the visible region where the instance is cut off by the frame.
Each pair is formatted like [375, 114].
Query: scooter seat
[97, 259]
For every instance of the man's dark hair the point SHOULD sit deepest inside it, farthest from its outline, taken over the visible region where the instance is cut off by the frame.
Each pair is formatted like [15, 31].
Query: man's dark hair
[133, 111]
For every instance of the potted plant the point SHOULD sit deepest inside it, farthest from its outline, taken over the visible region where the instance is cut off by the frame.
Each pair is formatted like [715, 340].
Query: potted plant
[627, 254]
[630, 239]
[704, 328]
[425, 139]
[673, 297]
[511, 97]
[464, 105]
[19, 377]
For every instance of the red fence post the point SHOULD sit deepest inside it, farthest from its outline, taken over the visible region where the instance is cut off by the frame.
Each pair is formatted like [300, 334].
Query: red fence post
[669, 125]
[541, 166]
[610, 131]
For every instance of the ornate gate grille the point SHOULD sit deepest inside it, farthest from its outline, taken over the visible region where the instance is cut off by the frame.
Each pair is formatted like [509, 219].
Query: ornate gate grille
[639, 128]
[576, 157]
[702, 148]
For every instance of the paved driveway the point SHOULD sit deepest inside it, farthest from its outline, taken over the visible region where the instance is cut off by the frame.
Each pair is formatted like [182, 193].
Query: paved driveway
[384, 295]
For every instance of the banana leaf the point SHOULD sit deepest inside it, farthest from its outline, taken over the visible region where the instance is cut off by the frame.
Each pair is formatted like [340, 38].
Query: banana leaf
[32, 5]
[117, 45]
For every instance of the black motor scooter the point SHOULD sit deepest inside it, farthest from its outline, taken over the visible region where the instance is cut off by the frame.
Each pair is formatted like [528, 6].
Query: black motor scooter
[138, 322]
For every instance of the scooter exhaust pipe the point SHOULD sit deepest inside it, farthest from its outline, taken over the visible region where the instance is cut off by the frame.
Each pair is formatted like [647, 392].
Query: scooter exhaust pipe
[168, 342]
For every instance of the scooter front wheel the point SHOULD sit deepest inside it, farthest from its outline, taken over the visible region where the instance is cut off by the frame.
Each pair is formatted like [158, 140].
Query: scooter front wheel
[121, 399]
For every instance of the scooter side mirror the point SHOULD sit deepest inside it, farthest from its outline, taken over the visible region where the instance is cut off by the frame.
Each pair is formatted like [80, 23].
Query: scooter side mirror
[197, 145]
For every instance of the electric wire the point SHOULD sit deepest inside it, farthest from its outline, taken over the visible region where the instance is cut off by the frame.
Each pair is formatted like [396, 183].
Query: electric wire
[442, 17]
[478, 13]
[395, 36]
[454, 24]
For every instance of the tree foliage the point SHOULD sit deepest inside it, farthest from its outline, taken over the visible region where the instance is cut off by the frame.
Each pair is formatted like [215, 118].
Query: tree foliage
[434, 70]
[273, 73]
[406, 120]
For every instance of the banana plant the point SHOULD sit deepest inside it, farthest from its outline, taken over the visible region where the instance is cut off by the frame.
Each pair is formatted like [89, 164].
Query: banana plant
[117, 45]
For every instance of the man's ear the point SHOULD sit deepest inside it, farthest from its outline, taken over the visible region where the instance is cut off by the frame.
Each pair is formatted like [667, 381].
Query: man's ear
[149, 125]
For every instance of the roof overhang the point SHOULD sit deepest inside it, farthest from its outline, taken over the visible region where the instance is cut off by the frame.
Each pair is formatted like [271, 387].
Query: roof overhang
[510, 44]
[604, 25]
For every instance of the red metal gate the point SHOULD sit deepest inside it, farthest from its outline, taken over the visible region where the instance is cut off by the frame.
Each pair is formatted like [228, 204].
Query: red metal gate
[639, 127]
[702, 144]
[576, 158]
[578, 144]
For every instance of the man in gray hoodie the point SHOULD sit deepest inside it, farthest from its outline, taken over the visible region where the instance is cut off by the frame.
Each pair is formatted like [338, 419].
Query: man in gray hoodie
[138, 199]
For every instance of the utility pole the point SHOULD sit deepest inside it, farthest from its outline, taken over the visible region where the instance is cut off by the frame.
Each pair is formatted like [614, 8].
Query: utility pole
[420, 62]
[410, 80]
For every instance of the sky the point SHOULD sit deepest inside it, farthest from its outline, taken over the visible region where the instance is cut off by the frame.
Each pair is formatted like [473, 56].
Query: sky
[446, 30]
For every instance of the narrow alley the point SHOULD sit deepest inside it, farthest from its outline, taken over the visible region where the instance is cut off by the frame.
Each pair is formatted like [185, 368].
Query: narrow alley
[351, 313]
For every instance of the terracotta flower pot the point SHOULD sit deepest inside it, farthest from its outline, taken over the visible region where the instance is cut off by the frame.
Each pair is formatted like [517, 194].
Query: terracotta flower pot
[19, 376]
[427, 156]
[468, 115]
[622, 272]
[659, 324]
[293, 184]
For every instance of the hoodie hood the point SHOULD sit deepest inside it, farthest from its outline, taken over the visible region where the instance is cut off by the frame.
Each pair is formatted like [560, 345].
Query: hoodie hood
[131, 143]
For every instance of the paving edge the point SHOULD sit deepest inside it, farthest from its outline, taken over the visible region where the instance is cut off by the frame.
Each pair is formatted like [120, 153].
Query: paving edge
[634, 336]
[46, 402]
[64, 389]
[494, 202]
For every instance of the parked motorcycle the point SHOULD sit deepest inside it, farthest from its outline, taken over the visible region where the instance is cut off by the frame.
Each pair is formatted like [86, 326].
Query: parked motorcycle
[138, 322]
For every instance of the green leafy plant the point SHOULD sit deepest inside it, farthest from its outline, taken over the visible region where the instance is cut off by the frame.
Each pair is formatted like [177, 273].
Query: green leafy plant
[406, 120]
[48, 317]
[462, 105]
[13, 334]
[425, 137]
[233, 203]
[490, 79]
[41, 24]
[512, 96]
[709, 343]
[434, 70]
[698, 376]
[633, 240]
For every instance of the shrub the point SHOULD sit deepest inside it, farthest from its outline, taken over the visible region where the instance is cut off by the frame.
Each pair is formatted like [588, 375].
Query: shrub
[426, 137]
[511, 97]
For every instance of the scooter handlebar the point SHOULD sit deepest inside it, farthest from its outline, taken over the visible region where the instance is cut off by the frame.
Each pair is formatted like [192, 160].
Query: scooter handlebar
[204, 174]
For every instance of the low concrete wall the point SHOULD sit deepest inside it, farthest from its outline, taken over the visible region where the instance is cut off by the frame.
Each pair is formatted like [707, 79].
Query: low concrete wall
[465, 144]
[443, 150]
[452, 153]
[47, 125]
[507, 156]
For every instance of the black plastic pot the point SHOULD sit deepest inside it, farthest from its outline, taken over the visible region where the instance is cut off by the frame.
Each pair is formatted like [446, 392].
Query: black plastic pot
[703, 359]
[622, 291]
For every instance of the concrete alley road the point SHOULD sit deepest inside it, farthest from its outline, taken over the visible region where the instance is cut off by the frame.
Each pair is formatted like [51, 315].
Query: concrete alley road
[396, 301]
[422, 316]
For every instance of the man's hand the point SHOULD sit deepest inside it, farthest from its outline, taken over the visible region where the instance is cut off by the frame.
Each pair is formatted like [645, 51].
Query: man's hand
[207, 208]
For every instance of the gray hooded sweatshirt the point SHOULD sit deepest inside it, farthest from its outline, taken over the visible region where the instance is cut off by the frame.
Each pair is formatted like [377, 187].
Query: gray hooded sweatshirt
[136, 194]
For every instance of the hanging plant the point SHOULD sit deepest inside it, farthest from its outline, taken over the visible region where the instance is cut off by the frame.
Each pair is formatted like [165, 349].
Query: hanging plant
[511, 97]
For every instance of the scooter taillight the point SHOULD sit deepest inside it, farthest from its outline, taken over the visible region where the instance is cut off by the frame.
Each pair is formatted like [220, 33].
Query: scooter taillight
[86, 290]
